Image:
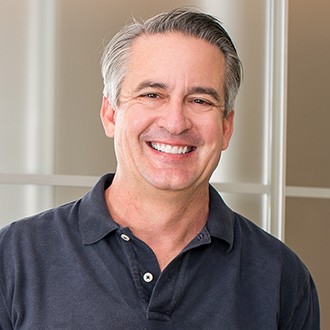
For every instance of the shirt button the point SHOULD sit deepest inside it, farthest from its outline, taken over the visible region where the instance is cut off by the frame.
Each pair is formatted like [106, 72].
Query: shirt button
[125, 237]
[148, 277]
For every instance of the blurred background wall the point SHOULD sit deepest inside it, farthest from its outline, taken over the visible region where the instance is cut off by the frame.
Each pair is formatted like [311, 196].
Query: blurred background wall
[307, 220]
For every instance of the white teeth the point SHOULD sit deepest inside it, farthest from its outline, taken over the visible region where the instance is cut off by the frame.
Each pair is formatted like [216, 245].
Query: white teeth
[168, 149]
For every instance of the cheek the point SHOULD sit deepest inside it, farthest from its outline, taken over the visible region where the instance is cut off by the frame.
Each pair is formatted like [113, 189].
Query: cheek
[133, 121]
[212, 132]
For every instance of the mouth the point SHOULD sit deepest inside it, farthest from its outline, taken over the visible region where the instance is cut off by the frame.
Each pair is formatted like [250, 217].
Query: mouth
[171, 149]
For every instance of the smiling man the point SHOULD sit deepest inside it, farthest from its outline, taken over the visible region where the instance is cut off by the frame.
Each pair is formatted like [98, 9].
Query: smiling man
[154, 246]
[169, 129]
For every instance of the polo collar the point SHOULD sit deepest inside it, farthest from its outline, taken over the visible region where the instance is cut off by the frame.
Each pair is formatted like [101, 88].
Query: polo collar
[96, 222]
[221, 219]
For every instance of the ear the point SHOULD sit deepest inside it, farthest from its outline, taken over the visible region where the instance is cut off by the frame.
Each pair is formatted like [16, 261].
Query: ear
[228, 128]
[107, 115]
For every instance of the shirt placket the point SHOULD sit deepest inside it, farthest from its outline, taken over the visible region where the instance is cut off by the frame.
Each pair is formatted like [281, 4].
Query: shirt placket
[142, 264]
[159, 292]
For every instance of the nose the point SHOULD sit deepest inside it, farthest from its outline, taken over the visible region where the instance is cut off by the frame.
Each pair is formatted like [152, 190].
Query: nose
[175, 117]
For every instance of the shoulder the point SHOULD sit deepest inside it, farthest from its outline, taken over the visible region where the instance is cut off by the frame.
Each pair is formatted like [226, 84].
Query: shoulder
[262, 244]
[37, 229]
[288, 276]
[28, 248]
[272, 257]
[36, 239]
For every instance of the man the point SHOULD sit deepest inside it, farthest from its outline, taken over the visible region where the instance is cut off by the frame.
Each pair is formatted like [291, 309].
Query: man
[154, 246]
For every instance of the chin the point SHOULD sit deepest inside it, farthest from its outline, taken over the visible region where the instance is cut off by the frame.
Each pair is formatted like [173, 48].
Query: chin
[171, 183]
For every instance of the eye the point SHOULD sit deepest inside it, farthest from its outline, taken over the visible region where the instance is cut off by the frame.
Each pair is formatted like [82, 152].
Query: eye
[151, 99]
[150, 95]
[202, 102]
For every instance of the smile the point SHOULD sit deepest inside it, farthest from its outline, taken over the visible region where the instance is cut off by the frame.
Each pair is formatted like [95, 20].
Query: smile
[169, 149]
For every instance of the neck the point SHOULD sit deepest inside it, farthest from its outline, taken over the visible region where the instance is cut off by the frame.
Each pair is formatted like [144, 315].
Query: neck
[165, 220]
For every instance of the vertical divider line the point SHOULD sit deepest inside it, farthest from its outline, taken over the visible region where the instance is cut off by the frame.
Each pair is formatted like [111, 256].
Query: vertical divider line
[39, 143]
[267, 125]
[279, 114]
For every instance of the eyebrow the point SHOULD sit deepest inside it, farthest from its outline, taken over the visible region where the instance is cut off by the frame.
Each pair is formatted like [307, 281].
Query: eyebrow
[148, 83]
[193, 90]
[205, 90]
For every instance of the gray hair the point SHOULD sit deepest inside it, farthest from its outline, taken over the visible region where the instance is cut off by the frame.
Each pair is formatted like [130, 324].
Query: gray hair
[187, 21]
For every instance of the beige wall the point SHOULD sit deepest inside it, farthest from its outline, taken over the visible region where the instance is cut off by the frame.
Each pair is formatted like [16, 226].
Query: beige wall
[308, 149]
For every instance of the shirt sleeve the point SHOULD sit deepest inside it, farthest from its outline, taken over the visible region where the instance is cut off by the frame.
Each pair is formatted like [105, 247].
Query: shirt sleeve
[5, 323]
[299, 304]
[307, 313]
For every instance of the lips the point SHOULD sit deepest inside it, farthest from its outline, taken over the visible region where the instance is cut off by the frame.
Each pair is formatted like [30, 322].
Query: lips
[171, 149]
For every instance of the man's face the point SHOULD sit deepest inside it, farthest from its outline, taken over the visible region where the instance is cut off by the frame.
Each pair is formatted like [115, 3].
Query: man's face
[169, 128]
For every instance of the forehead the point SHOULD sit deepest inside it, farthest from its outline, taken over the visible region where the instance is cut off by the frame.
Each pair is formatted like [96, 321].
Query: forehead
[172, 43]
[173, 57]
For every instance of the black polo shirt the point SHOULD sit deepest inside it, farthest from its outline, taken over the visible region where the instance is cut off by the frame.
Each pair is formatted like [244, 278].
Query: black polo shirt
[73, 267]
